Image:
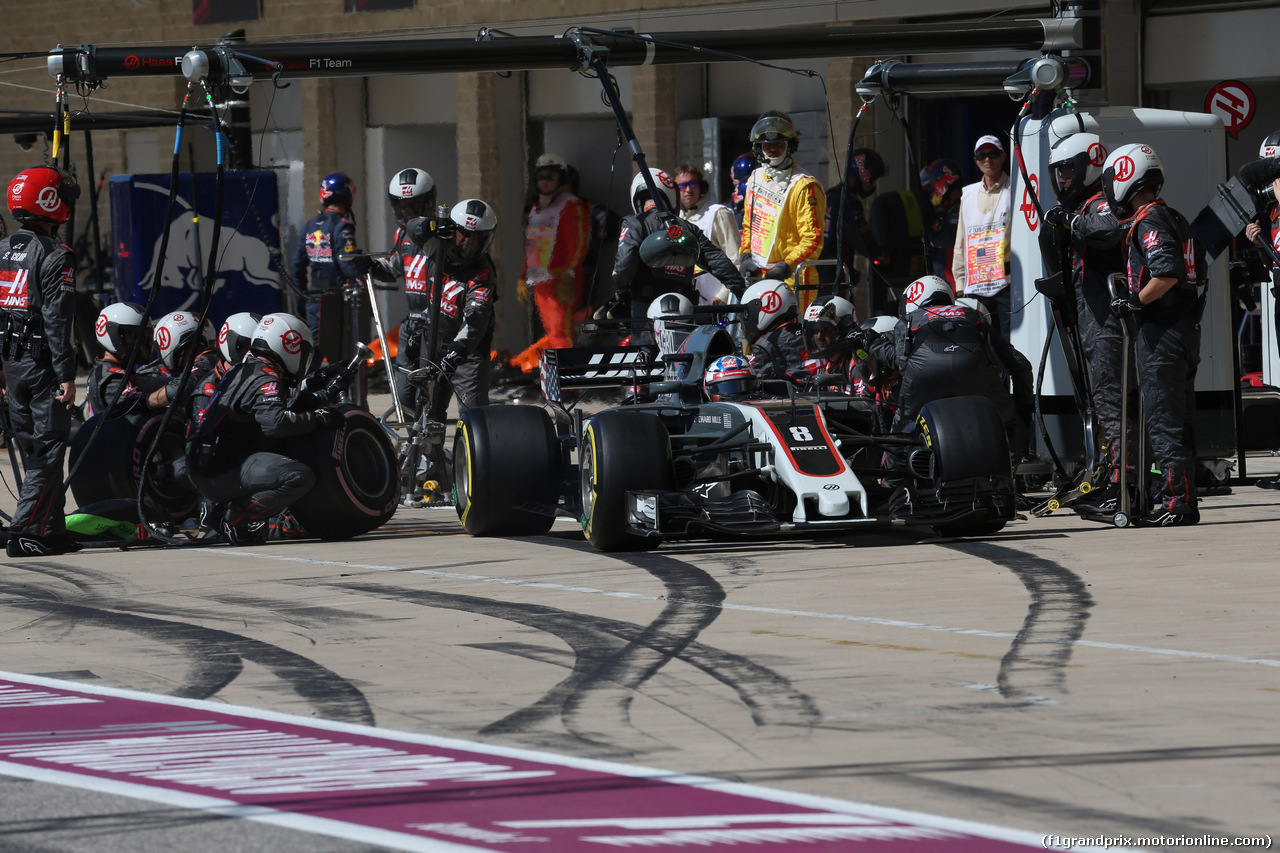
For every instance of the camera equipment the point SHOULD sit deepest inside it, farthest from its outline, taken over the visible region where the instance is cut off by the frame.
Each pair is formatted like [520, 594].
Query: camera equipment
[1258, 176]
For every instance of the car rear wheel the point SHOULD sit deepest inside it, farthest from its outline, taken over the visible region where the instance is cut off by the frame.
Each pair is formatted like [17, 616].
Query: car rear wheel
[620, 452]
[506, 471]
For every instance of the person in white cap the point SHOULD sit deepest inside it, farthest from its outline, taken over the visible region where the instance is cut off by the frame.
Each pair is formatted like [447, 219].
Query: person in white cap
[981, 261]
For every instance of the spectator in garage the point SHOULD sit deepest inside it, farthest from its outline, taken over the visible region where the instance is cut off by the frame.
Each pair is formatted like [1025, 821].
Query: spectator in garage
[981, 262]
[713, 219]
[556, 240]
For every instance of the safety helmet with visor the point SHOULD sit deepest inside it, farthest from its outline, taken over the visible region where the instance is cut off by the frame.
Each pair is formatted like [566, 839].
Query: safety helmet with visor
[1130, 169]
[474, 224]
[235, 335]
[827, 323]
[1075, 164]
[284, 340]
[771, 128]
[177, 332]
[926, 292]
[412, 193]
[766, 305]
[118, 326]
[640, 190]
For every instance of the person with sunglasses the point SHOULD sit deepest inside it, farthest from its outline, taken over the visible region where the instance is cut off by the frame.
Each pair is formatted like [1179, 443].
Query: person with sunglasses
[981, 261]
[713, 219]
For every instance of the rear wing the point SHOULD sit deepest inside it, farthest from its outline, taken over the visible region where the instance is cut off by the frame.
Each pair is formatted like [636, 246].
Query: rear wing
[597, 367]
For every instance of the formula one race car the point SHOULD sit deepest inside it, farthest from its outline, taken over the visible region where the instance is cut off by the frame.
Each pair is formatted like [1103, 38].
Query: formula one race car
[681, 467]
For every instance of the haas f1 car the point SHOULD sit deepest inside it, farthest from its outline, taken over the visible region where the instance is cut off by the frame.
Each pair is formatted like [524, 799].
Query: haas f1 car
[680, 467]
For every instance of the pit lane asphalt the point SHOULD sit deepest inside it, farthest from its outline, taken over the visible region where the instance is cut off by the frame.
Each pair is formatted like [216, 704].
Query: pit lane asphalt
[1059, 677]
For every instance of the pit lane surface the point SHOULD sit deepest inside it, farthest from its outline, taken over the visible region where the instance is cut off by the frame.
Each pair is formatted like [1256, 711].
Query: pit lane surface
[1059, 678]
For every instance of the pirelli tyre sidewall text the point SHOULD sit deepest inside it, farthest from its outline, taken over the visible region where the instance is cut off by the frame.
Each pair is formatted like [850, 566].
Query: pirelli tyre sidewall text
[357, 488]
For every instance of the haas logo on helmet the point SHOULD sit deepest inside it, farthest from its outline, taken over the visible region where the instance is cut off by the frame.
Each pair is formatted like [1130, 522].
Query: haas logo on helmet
[770, 301]
[162, 337]
[915, 291]
[101, 326]
[1124, 168]
[666, 180]
[1097, 154]
[674, 232]
[406, 190]
[222, 334]
[292, 342]
[16, 189]
[471, 223]
[48, 199]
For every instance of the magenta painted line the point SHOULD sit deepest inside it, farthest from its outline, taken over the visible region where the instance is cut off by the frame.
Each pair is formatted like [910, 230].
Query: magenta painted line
[421, 793]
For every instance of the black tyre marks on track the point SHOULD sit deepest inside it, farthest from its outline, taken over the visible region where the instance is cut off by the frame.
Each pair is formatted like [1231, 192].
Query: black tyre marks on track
[1055, 620]
[613, 659]
[214, 657]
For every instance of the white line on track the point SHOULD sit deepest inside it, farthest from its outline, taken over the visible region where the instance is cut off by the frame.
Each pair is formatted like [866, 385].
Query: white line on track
[749, 608]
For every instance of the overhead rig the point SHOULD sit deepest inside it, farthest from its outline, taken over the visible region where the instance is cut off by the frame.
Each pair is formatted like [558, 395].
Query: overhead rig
[574, 50]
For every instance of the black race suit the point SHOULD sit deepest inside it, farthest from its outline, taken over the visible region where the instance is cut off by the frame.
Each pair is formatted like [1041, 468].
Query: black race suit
[635, 280]
[1162, 245]
[37, 291]
[231, 455]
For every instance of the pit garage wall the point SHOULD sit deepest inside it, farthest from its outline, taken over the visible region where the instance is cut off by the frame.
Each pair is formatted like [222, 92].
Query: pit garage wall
[1184, 57]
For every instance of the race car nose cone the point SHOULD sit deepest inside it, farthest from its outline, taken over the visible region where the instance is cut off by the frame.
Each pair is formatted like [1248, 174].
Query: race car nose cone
[671, 247]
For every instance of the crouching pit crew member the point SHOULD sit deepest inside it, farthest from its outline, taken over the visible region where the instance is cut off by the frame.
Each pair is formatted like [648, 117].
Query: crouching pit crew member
[946, 350]
[231, 453]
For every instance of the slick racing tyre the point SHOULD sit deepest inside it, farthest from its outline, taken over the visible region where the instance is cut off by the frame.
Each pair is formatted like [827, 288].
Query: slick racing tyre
[506, 471]
[113, 467]
[967, 438]
[356, 486]
[620, 452]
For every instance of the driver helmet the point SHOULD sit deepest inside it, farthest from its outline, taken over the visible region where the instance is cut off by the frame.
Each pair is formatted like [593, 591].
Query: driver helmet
[1131, 168]
[640, 190]
[774, 126]
[975, 304]
[925, 292]
[286, 341]
[729, 378]
[937, 179]
[118, 325]
[44, 193]
[868, 167]
[1075, 164]
[175, 332]
[476, 222]
[412, 193]
[766, 305]
[827, 322]
[235, 335]
[337, 188]
[661, 313]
